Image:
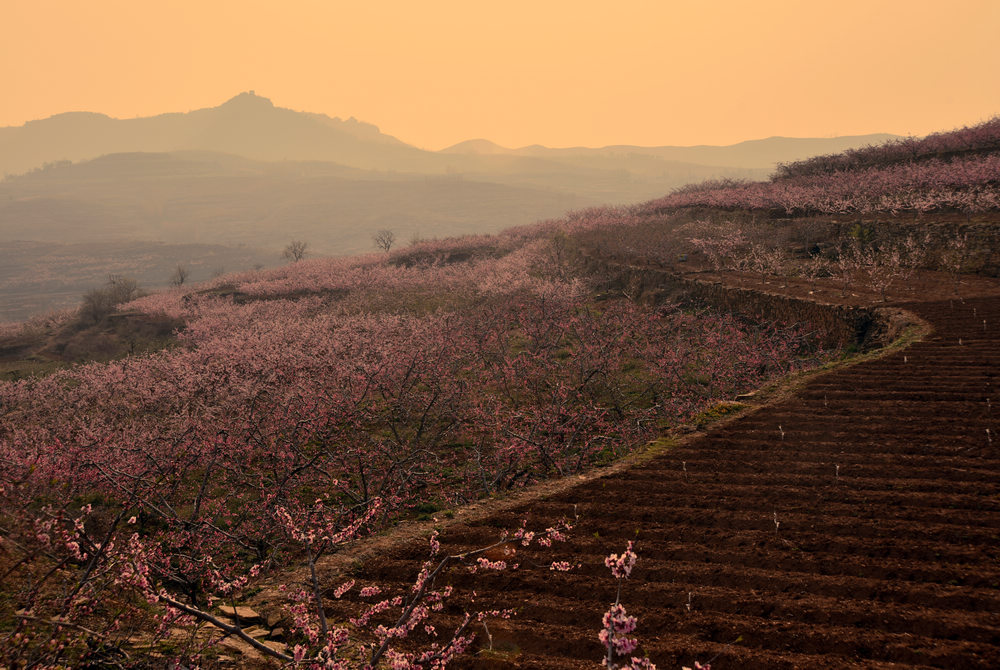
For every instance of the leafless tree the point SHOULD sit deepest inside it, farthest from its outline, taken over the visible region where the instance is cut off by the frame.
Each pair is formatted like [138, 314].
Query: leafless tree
[122, 289]
[955, 257]
[100, 302]
[814, 268]
[296, 250]
[765, 260]
[179, 276]
[384, 239]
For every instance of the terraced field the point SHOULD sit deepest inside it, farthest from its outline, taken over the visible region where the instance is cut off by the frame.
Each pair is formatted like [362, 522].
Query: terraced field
[854, 524]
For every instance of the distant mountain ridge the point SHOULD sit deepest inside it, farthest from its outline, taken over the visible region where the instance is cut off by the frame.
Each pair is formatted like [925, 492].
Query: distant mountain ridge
[247, 125]
[751, 154]
[252, 126]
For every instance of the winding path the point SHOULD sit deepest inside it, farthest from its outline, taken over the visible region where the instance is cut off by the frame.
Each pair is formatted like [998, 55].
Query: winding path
[884, 480]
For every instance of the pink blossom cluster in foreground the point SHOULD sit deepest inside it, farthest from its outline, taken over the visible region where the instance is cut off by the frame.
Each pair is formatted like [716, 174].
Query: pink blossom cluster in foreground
[617, 624]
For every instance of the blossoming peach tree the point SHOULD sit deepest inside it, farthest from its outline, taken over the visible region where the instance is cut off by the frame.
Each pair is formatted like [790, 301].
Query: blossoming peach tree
[141, 495]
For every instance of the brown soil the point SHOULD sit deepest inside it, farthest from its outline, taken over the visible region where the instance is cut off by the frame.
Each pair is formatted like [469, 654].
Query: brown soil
[923, 286]
[885, 484]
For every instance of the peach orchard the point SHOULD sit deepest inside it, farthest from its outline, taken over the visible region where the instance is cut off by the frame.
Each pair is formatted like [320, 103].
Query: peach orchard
[304, 407]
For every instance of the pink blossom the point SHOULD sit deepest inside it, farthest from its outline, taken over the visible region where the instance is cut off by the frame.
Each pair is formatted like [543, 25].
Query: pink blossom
[621, 565]
[343, 588]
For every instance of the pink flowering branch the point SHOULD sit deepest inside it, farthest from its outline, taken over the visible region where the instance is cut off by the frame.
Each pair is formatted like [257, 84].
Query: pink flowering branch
[617, 623]
[413, 611]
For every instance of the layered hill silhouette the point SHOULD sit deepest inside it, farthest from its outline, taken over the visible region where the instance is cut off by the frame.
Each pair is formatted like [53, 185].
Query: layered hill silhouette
[219, 198]
[150, 211]
[252, 126]
[252, 176]
[248, 125]
[760, 154]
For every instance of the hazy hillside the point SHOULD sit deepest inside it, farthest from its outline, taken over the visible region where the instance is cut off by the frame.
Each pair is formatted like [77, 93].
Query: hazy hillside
[949, 172]
[39, 277]
[248, 174]
[224, 199]
[117, 212]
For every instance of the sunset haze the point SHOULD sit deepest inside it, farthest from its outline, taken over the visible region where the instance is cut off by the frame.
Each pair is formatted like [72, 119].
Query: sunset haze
[518, 73]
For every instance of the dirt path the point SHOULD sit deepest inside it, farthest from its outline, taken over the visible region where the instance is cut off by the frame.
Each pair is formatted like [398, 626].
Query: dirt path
[886, 488]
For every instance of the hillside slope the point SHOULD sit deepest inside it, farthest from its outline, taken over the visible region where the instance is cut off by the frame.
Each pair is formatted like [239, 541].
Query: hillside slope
[849, 518]
[883, 481]
[200, 197]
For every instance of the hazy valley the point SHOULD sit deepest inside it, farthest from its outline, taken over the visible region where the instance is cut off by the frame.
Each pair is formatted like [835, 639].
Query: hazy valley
[230, 186]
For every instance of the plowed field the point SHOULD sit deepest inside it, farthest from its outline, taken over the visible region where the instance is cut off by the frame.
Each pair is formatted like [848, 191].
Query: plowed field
[884, 480]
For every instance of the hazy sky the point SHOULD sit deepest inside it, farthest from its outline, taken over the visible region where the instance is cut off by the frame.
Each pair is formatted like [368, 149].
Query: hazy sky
[553, 72]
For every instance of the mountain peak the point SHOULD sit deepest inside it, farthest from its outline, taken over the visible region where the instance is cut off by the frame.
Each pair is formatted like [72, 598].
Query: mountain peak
[476, 147]
[248, 99]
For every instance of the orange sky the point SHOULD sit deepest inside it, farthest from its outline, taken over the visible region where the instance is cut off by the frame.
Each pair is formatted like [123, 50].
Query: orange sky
[553, 72]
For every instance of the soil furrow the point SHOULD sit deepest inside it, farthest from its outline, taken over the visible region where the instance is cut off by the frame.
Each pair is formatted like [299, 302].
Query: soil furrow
[855, 524]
